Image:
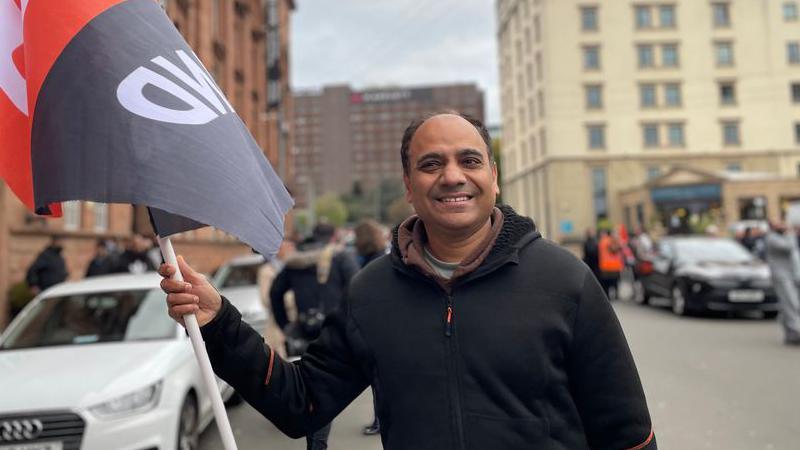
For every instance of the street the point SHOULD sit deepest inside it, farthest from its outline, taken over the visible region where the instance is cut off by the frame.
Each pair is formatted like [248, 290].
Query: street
[710, 383]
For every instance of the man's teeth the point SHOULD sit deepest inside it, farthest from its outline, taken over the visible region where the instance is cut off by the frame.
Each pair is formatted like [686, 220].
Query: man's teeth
[455, 199]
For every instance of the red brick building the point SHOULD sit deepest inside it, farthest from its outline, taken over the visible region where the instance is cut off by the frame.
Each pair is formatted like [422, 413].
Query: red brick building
[231, 37]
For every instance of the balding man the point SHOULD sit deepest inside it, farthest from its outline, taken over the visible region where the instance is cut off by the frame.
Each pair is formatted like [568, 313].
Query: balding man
[475, 332]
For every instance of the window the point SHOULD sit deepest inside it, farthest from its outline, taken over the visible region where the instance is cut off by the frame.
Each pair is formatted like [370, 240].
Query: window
[675, 135]
[724, 53]
[539, 68]
[730, 133]
[597, 136]
[797, 132]
[645, 54]
[733, 167]
[540, 101]
[647, 95]
[669, 55]
[537, 29]
[71, 211]
[591, 57]
[594, 96]
[727, 93]
[599, 192]
[795, 88]
[653, 172]
[100, 217]
[672, 94]
[589, 18]
[531, 111]
[793, 52]
[721, 14]
[650, 132]
[643, 17]
[666, 15]
[790, 11]
[529, 75]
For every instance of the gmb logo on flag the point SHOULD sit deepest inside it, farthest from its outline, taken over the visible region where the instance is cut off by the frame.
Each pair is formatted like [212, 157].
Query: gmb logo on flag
[131, 93]
[11, 80]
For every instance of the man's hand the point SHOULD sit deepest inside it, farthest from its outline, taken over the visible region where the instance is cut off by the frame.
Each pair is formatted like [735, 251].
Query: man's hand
[194, 295]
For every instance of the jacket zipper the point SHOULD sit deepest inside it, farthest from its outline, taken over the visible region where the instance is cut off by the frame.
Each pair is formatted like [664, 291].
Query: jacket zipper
[455, 386]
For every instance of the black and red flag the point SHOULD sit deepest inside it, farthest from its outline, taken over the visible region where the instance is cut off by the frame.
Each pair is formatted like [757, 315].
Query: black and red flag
[103, 100]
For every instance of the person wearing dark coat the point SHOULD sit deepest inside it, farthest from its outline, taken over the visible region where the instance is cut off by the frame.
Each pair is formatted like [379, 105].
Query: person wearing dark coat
[475, 332]
[591, 255]
[48, 269]
[102, 263]
[318, 275]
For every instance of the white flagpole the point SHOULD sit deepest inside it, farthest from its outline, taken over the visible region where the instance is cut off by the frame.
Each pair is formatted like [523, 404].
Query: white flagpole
[207, 373]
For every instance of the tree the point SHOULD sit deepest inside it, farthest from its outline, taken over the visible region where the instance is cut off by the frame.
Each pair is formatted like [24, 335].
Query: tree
[331, 207]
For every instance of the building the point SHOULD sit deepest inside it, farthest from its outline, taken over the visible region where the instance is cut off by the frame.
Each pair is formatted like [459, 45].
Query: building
[600, 97]
[231, 38]
[343, 137]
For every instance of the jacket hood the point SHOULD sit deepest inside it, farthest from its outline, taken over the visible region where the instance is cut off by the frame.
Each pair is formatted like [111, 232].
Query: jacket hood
[516, 232]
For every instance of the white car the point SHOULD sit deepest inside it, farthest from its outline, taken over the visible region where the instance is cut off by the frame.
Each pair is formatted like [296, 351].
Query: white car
[237, 280]
[98, 365]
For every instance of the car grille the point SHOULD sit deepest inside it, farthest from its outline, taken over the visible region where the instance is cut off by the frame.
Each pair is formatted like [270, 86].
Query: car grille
[29, 428]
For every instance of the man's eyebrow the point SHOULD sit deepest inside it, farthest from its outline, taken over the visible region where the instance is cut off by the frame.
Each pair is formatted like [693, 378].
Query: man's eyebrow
[471, 152]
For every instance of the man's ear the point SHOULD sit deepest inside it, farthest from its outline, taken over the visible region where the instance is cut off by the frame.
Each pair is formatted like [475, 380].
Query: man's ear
[494, 176]
[407, 183]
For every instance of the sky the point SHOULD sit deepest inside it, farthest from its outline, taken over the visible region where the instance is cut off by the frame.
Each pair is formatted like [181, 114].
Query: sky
[380, 43]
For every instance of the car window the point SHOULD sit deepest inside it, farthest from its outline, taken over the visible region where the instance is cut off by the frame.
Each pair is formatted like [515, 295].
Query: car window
[116, 316]
[712, 250]
[241, 275]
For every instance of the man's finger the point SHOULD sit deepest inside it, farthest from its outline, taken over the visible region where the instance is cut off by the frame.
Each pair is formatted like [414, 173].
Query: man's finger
[182, 299]
[166, 270]
[177, 312]
[185, 268]
[170, 286]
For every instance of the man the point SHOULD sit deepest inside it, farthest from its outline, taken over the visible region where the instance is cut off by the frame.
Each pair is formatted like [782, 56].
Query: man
[783, 258]
[48, 268]
[475, 333]
[101, 264]
[318, 276]
[135, 258]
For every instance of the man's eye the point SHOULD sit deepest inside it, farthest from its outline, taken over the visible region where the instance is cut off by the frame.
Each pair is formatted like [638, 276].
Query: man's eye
[472, 162]
[429, 165]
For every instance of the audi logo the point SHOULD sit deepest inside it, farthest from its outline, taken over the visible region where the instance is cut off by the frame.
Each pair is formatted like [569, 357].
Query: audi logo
[20, 430]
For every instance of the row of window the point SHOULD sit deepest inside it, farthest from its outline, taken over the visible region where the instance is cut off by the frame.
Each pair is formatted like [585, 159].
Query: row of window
[663, 16]
[666, 55]
[668, 95]
[671, 134]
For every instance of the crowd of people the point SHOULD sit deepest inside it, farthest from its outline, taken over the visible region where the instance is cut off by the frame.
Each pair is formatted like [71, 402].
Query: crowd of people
[614, 254]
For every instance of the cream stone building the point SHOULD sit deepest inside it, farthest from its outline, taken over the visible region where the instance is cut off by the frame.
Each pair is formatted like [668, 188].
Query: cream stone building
[600, 97]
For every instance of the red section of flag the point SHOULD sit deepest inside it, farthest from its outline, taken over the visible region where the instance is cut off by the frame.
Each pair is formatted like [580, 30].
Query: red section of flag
[48, 28]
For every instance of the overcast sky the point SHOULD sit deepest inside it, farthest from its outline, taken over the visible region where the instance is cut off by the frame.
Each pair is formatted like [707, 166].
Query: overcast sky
[366, 43]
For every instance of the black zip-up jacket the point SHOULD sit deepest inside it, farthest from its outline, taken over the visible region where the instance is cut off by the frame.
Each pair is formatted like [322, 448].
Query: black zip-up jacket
[530, 356]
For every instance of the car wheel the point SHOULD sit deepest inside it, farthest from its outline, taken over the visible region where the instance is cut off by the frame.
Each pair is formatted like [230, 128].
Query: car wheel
[679, 306]
[234, 400]
[188, 432]
[770, 314]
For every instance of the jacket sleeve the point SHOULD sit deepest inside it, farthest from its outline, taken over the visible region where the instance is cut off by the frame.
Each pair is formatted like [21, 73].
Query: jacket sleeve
[277, 291]
[297, 397]
[603, 377]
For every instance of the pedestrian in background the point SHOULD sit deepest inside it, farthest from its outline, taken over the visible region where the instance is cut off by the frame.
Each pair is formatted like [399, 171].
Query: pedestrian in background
[783, 257]
[590, 253]
[273, 334]
[101, 263]
[611, 261]
[48, 269]
[318, 274]
[370, 244]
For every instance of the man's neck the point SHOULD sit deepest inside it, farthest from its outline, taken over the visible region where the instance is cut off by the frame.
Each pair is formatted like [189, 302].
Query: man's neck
[450, 247]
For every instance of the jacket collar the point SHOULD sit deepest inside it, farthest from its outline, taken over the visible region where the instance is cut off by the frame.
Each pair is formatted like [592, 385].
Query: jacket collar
[515, 232]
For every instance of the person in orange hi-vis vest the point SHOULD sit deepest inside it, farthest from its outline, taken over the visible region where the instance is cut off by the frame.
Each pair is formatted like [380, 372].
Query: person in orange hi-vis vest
[611, 263]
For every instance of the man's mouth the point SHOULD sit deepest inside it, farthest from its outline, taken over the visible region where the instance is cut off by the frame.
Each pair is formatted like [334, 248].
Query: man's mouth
[457, 198]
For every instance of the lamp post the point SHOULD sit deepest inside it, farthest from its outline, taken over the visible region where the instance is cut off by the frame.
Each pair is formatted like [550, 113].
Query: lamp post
[308, 181]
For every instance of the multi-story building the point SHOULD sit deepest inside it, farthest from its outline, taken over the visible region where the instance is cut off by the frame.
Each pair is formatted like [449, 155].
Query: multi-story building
[600, 97]
[344, 136]
[231, 38]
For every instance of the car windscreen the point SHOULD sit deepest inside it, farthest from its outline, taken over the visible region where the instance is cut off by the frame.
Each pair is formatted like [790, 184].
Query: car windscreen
[116, 316]
[241, 275]
[711, 250]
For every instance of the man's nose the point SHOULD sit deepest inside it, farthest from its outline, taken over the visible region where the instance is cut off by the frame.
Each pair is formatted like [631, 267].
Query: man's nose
[453, 175]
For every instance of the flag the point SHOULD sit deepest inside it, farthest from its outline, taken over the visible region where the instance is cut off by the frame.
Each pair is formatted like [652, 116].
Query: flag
[103, 100]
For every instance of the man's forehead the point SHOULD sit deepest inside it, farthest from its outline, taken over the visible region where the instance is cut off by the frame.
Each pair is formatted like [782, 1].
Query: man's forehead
[446, 130]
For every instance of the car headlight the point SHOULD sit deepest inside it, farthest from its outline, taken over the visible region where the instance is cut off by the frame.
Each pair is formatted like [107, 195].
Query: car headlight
[134, 403]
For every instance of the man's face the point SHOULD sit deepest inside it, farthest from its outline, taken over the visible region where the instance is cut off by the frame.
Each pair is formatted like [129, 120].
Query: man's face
[451, 183]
